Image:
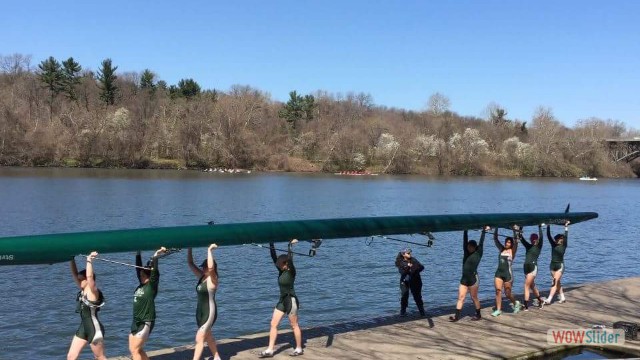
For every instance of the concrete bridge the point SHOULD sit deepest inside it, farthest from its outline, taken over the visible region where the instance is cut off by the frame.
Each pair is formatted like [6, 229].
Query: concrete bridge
[624, 149]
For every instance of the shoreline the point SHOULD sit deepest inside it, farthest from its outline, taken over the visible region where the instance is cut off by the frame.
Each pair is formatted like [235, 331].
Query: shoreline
[370, 174]
[520, 336]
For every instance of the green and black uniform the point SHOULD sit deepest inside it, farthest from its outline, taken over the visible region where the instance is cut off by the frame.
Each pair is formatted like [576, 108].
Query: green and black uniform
[90, 328]
[505, 260]
[557, 251]
[288, 302]
[207, 309]
[471, 261]
[144, 307]
[533, 252]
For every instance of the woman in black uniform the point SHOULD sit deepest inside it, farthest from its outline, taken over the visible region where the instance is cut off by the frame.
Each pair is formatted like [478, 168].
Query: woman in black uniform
[288, 302]
[531, 265]
[469, 281]
[558, 247]
[409, 268]
[89, 300]
[504, 274]
[207, 310]
[144, 306]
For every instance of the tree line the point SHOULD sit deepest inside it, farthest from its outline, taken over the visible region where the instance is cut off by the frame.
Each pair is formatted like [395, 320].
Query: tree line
[58, 113]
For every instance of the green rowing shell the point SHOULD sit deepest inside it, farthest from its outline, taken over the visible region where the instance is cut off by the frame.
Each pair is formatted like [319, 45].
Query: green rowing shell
[53, 248]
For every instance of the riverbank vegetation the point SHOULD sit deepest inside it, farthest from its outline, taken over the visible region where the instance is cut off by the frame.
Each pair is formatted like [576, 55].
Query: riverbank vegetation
[58, 113]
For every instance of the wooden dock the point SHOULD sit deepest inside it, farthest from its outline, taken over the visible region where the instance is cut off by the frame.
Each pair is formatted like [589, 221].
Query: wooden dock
[509, 336]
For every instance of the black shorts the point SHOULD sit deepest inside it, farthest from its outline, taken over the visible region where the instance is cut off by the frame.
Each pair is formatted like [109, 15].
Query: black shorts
[530, 268]
[142, 329]
[288, 304]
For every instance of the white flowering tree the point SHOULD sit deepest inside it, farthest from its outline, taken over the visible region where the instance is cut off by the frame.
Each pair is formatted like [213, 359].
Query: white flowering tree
[467, 149]
[518, 156]
[427, 146]
[386, 149]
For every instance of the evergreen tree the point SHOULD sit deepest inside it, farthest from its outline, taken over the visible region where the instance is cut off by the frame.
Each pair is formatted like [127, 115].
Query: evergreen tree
[298, 108]
[188, 88]
[146, 80]
[107, 78]
[71, 78]
[162, 85]
[52, 76]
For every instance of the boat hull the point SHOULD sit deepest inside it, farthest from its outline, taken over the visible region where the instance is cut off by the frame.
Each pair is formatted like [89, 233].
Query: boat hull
[53, 248]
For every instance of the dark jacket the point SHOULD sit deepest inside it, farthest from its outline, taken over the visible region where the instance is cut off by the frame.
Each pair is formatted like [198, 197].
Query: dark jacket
[409, 275]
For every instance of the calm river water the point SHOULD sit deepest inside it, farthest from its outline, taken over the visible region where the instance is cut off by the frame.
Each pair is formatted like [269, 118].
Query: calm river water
[347, 280]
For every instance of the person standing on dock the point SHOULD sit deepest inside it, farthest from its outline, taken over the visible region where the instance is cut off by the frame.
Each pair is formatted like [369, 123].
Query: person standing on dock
[469, 281]
[89, 300]
[504, 274]
[531, 265]
[558, 247]
[410, 280]
[207, 309]
[288, 302]
[144, 307]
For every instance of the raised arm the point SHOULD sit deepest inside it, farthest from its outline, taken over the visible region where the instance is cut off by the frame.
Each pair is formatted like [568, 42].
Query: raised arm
[549, 237]
[540, 236]
[272, 251]
[154, 279]
[91, 282]
[292, 267]
[210, 259]
[516, 231]
[496, 241]
[465, 241]
[194, 269]
[74, 272]
[524, 241]
[139, 264]
[566, 233]
[484, 232]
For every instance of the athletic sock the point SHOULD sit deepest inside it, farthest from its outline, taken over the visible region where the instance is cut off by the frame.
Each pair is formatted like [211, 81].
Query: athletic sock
[526, 304]
[478, 313]
[455, 317]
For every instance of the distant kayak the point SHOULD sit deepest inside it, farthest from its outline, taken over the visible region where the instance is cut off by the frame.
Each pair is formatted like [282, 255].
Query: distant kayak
[587, 178]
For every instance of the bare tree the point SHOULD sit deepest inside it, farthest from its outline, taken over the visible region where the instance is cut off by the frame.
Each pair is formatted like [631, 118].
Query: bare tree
[438, 104]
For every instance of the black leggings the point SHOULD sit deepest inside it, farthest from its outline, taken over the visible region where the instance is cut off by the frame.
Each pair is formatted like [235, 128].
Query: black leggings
[416, 291]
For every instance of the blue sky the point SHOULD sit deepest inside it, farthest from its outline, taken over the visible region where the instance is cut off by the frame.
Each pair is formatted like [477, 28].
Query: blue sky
[581, 58]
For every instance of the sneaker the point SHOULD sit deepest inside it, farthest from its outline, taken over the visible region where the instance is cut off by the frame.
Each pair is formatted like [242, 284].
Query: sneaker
[496, 313]
[453, 318]
[297, 352]
[476, 318]
[517, 307]
[266, 354]
[561, 299]
[545, 302]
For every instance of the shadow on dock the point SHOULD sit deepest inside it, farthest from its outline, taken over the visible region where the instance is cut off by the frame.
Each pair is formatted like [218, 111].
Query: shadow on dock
[510, 336]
